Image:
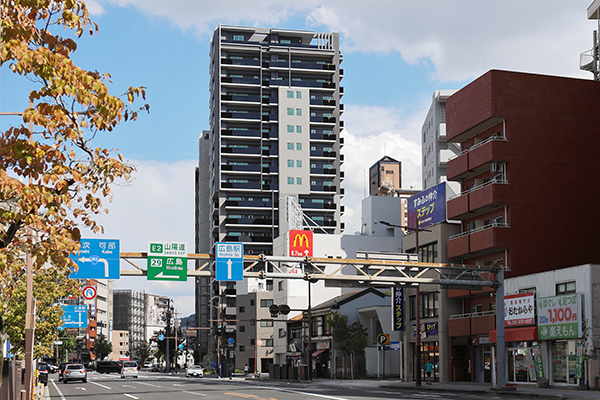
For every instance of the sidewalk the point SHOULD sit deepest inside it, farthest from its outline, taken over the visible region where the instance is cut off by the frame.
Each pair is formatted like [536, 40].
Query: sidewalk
[520, 391]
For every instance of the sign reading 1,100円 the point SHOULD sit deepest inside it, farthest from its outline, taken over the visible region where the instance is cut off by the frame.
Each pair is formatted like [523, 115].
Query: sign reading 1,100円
[560, 317]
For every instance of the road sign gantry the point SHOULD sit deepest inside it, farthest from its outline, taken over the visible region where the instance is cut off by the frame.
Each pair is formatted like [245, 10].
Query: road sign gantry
[365, 271]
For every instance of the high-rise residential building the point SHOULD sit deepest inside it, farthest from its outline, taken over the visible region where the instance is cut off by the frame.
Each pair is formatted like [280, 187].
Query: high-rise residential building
[129, 312]
[273, 148]
[436, 150]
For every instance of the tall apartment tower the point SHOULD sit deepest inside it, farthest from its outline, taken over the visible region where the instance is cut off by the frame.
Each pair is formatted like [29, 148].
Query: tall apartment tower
[273, 145]
[436, 150]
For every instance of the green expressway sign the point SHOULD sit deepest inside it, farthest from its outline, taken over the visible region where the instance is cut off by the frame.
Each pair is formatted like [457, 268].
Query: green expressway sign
[167, 261]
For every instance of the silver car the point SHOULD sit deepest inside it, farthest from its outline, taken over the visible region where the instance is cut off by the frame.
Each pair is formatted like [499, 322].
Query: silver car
[75, 372]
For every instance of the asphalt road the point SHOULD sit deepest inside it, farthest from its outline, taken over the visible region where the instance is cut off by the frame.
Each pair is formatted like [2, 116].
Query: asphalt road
[155, 386]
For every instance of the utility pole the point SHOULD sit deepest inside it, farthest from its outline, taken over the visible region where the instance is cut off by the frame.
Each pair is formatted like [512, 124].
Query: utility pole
[416, 230]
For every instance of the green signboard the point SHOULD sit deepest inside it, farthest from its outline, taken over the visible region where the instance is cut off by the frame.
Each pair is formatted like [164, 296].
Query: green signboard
[167, 261]
[560, 317]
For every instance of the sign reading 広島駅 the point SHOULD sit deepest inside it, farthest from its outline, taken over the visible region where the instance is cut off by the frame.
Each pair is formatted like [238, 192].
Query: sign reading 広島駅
[428, 207]
[560, 317]
[167, 261]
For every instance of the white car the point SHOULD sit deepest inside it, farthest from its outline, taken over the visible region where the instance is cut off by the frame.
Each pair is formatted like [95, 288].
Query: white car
[74, 372]
[194, 370]
[130, 368]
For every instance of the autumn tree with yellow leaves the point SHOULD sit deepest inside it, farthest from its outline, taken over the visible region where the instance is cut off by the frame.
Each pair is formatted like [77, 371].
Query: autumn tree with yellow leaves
[53, 180]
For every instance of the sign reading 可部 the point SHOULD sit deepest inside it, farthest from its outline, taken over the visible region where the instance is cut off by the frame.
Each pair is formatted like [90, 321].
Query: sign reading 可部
[560, 317]
[428, 207]
[519, 309]
[167, 261]
[301, 243]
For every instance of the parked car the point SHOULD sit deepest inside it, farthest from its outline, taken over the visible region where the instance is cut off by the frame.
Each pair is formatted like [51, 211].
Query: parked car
[61, 370]
[106, 367]
[43, 372]
[155, 367]
[148, 364]
[130, 368]
[75, 372]
[194, 370]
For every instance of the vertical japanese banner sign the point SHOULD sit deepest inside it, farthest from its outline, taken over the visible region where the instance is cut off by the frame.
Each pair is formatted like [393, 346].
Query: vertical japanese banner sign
[579, 365]
[398, 309]
[536, 352]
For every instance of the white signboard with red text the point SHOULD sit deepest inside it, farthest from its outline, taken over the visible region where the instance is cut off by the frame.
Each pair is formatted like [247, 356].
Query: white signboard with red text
[560, 317]
[519, 309]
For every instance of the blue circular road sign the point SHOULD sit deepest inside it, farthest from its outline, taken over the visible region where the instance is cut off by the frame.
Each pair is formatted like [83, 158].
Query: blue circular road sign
[161, 337]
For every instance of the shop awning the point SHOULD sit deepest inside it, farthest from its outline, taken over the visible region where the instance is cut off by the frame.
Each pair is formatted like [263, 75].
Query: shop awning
[316, 353]
[521, 334]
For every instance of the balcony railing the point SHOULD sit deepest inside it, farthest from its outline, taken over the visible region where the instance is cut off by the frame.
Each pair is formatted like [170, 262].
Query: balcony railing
[476, 145]
[477, 187]
[473, 314]
[479, 229]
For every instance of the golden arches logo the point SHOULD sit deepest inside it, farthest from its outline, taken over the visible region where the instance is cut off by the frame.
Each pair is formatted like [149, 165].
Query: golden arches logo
[303, 239]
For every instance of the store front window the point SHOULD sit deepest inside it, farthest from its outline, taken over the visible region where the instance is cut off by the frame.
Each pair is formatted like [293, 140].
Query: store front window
[430, 351]
[520, 363]
[564, 361]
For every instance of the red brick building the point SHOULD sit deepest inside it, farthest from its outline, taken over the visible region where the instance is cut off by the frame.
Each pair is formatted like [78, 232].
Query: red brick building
[530, 179]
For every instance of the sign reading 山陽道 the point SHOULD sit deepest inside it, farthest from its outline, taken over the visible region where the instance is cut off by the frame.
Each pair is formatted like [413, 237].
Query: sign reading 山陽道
[167, 261]
[560, 317]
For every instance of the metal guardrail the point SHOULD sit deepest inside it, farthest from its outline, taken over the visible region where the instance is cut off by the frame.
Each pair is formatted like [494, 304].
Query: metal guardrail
[477, 187]
[476, 145]
[481, 228]
[473, 314]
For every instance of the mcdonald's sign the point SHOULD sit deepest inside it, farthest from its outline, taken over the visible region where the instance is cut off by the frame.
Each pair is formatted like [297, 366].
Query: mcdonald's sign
[301, 243]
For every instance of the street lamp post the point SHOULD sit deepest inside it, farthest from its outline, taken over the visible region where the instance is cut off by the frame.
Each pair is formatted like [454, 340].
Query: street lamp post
[417, 301]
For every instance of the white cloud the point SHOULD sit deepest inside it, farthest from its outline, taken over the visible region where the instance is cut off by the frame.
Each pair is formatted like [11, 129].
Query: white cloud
[462, 39]
[375, 132]
[157, 205]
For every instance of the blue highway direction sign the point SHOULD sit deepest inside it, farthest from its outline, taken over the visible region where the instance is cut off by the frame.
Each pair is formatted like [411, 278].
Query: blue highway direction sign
[75, 317]
[97, 259]
[229, 259]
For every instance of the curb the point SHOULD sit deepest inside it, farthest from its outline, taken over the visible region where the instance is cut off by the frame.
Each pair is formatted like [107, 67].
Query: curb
[504, 392]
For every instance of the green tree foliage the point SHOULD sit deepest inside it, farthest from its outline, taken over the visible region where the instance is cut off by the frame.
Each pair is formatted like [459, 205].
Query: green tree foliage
[68, 346]
[350, 338]
[102, 347]
[142, 351]
[53, 180]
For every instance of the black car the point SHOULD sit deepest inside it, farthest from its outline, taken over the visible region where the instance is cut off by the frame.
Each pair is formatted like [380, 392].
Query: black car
[106, 367]
[61, 369]
[43, 372]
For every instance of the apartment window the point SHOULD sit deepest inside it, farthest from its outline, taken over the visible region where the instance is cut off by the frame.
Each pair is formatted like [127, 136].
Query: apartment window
[298, 146]
[282, 332]
[241, 328]
[252, 342]
[286, 41]
[268, 342]
[299, 112]
[290, 94]
[565, 288]
[290, 146]
[290, 180]
[471, 226]
[429, 305]
[238, 38]
[290, 111]
[242, 348]
[298, 129]
[252, 302]
[298, 163]
[290, 163]
[428, 253]
[298, 94]
[496, 221]
[266, 302]
[290, 128]
[327, 115]
[242, 308]
[313, 131]
[252, 322]
[298, 181]
[475, 309]
[312, 114]
[266, 324]
[528, 290]
[280, 286]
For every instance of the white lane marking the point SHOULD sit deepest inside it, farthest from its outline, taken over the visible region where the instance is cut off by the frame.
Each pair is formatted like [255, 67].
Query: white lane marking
[62, 396]
[101, 385]
[128, 395]
[197, 394]
[148, 384]
[80, 388]
[304, 393]
[176, 384]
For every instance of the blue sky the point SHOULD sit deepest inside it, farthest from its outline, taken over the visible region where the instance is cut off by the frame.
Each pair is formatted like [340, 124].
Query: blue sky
[396, 53]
